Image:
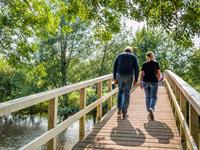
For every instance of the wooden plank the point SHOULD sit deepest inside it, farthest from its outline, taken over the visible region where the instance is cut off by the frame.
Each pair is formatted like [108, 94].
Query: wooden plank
[65, 124]
[176, 140]
[159, 130]
[24, 102]
[125, 135]
[136, 131]
[111, 143]
[119, 148]
[127, 145]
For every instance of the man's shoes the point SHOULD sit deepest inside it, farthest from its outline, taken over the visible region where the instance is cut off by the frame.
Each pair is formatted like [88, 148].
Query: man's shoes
[119, 112]
[124, 116]
[151, 115]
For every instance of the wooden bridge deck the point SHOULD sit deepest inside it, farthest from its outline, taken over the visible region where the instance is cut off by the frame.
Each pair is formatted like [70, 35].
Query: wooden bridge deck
[136, 132]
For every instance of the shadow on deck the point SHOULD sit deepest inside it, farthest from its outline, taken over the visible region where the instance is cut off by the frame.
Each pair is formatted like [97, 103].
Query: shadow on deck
[136, 132]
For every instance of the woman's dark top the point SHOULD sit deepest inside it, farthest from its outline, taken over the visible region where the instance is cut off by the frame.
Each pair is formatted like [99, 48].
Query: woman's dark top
[150, 69]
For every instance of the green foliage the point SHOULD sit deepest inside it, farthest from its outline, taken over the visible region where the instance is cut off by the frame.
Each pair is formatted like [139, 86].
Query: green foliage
[144, 41]
[182, 61]
[7, 86]
[193, 73]
[91, 95]
[168, 53]
[11, 81]
[49, 44]
[103, 35]
[22, 22]
[181, 18]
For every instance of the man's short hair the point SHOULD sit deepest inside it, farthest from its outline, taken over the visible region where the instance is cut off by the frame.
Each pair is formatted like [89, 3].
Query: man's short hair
[128, 49]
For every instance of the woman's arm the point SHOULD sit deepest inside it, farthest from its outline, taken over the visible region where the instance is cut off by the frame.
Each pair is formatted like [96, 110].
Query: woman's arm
[159, 75]
[141, 75]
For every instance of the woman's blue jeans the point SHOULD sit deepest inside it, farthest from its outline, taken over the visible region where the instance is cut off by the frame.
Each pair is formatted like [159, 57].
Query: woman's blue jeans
[124, 84]
[150, 89]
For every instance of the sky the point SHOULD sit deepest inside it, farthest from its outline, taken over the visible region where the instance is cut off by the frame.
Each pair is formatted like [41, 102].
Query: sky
[196, 41]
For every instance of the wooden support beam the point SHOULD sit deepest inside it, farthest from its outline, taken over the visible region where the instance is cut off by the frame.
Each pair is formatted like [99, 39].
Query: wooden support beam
[109, 90]
[52, 121]
[44, 138]
[199, 141]
[182, 104]
[82, 119]
[194, 124]
[177, 93]
[99, 108]
[190, 143]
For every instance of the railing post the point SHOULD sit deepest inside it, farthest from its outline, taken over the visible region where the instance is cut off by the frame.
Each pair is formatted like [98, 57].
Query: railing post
[82, 119]
[99, 108]
[198, 141]
[52, 121]
[109, 90]
[177, 93]
[183, 105]
[194, 124]
[183, 110]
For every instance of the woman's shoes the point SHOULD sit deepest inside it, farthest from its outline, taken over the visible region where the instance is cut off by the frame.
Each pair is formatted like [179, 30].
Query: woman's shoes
[151, 115]
[124, 115]
[119, 112]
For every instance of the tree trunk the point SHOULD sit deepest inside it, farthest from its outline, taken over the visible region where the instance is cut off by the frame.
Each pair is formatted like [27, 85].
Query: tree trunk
[63, 63]
[63, 56]
[102, 62]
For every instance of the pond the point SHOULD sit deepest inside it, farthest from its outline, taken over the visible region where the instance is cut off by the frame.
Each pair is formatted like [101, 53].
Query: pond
[16, 132]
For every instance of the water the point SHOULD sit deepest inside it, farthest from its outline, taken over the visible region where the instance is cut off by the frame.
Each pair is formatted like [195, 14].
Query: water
[16, 132]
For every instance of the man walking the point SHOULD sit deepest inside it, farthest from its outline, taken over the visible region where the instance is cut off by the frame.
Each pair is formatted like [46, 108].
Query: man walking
[125, 65]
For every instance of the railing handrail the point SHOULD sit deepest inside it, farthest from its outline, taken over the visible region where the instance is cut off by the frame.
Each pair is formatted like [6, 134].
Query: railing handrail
[41, 140]
[183, 122]
[192, 96]
[24, 102]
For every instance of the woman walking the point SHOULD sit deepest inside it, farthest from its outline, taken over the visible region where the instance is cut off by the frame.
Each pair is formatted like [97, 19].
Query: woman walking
[149, 77]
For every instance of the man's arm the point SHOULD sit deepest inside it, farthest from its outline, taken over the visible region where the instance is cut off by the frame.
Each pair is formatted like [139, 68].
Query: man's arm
[115, 66]
[141, 76]
[136, 68]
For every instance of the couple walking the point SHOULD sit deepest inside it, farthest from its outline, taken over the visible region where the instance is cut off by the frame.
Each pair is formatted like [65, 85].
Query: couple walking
[125, 66]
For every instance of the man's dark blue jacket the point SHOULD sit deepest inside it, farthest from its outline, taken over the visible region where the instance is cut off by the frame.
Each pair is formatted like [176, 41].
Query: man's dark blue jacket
[125, 64]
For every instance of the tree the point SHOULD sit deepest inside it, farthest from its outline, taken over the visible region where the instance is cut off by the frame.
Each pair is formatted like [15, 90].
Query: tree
[193, 72]
[49, 44]
[168, 53]
[180, 18]
[22, 23]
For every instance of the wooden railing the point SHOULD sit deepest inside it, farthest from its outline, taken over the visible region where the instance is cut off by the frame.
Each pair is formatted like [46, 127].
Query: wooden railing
[55, 129]
[185, 103]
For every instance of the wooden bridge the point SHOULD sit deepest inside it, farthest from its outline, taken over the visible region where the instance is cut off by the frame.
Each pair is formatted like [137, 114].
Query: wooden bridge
[176, 124]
